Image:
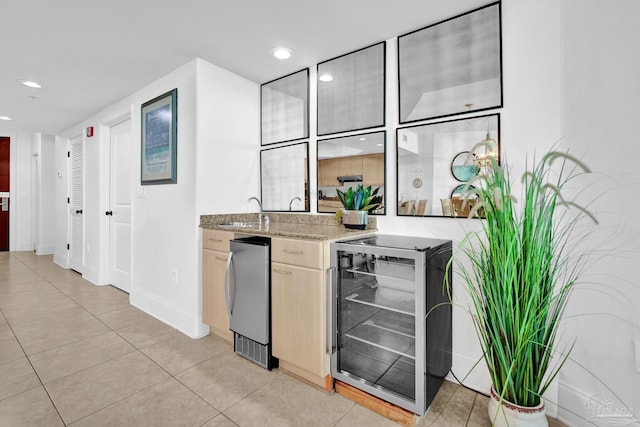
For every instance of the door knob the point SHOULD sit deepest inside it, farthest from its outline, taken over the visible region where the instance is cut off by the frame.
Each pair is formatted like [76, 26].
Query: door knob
[108, 213]
[79, 211]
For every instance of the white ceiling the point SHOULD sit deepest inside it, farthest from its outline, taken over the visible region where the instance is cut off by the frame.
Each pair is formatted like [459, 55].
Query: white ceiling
[90, 54]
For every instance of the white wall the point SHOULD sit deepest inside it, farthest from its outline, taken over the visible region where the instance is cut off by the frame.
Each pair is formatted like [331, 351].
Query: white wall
[601, 106]
[218, 140]
[45, 214]
[20, 238]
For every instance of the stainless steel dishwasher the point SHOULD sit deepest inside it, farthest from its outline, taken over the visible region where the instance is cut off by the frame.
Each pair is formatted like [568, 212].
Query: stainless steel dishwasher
[248, 298]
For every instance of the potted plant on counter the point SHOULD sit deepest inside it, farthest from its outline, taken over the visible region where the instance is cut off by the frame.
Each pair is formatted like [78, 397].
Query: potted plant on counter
[357, 205]
[519, 276]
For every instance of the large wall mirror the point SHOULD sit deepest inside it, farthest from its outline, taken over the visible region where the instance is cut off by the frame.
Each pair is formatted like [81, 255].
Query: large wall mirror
[284, 178]
[451, 67]
[285, 108]
[348, 161]
[436, 162]
[351, 91]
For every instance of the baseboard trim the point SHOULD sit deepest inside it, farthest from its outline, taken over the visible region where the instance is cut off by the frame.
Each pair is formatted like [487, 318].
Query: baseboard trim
[168, 313]
[599, 408]
[61, 259]
[45, 249]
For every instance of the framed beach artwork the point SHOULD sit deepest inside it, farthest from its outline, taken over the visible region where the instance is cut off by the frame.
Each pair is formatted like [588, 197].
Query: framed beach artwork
[158, 160]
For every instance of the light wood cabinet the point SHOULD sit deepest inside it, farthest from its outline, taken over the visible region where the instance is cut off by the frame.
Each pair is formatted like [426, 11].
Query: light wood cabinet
[299, 307]
[373, 169]
[328, 173]
[214, 262]
[350, 165]
[297, 319]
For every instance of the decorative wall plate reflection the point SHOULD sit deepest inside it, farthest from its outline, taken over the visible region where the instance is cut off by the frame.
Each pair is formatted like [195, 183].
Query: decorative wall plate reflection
[460, 191]
[462, 167]
[417, 183]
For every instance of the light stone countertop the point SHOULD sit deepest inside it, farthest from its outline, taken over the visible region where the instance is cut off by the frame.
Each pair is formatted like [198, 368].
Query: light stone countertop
[301, 226]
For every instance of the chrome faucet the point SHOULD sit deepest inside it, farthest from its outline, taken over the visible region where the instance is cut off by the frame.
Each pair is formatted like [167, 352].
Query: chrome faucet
[260, 215]
[291, 202]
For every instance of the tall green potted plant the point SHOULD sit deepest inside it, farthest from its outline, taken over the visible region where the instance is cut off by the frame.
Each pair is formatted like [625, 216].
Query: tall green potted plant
[519, 276]
[357, 205]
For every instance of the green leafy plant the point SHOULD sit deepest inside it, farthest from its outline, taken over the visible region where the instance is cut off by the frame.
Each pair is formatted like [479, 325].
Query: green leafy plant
[362, 199]
[520, 273]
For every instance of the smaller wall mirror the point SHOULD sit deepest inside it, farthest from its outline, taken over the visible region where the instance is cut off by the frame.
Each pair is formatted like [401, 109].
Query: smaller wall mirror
[351, 91]
[436, 161]
[284, 178]
[348, 161]
[285, 108]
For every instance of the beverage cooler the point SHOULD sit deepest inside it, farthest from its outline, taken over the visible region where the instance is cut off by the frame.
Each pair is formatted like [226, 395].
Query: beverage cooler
[383, 341]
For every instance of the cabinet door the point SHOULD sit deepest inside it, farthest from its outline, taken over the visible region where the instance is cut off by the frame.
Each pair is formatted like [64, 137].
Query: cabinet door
[348, 166]
[296, 320]
[373, 169]
[328, 173]
[214, 308]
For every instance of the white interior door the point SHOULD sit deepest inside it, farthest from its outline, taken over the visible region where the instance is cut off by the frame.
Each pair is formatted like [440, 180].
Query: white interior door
[76, 204]
[119, 212]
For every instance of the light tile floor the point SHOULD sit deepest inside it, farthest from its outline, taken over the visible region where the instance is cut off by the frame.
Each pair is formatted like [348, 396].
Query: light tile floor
[72, 353]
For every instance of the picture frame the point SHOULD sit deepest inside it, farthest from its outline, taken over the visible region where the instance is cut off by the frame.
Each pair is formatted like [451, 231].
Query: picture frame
[451, 67]
[159, 140]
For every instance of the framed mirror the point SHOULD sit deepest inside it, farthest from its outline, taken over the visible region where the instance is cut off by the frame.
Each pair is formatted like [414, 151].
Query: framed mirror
[437, 160]
[285, 108]
[351, 94]
[452, 67]
[284, 178]
[348, 161]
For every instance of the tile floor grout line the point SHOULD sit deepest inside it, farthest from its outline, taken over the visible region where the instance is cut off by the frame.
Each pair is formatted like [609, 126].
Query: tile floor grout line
[473, 404]
[345, 414]
[34, 370]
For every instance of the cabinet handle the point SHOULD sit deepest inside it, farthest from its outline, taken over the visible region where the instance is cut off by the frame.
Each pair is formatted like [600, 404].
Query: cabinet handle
[211, 239]
[289, 251]
[288, 273]
[219, 258]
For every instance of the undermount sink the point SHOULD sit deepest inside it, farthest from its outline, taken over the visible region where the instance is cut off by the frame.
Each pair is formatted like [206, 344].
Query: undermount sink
[240, 224]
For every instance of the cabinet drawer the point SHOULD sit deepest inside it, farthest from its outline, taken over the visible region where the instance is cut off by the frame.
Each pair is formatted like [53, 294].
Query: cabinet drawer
[216, 240]
[304, 253]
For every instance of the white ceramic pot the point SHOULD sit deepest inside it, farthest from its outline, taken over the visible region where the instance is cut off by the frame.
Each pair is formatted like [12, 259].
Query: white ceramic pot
[354, 219]
[507, 414]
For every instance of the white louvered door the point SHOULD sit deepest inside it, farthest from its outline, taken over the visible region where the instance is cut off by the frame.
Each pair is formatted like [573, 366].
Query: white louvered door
[76, 204]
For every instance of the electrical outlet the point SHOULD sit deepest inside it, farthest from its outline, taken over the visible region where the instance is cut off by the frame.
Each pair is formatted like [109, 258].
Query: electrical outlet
[174, 275]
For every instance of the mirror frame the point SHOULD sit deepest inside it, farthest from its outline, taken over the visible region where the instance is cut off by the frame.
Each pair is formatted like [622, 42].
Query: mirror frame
[306, 201]
[384, 156]
[433, 67]
[306, 109]
[448, 169]
[382, 122]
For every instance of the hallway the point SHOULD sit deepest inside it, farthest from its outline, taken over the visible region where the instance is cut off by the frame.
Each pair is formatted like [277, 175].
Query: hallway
[72, 353]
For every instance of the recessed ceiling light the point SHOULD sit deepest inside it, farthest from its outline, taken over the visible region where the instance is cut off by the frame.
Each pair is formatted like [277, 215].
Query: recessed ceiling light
[282, 52]
[325, 78]
[31, 83]
[378, 145]
[5, 118]
[363, 139]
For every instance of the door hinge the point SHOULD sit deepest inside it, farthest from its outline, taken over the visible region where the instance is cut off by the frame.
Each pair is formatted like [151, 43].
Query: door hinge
[68, 200]
[68, 153]
[67, 246]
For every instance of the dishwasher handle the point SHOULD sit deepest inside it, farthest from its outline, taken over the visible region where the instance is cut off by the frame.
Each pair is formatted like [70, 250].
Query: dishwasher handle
[227, 285]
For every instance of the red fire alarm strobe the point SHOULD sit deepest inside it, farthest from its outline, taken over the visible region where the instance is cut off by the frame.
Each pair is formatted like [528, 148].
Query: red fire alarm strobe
[89, 131]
